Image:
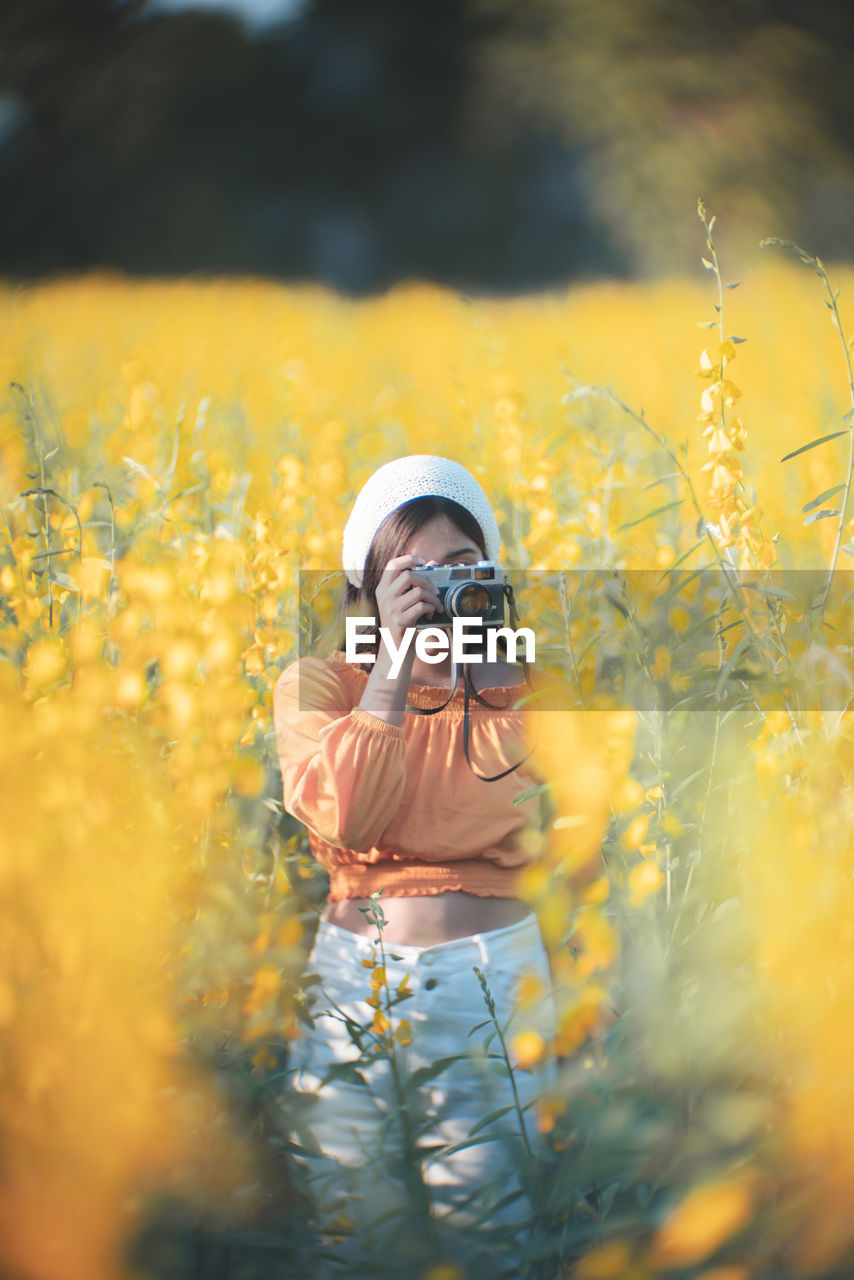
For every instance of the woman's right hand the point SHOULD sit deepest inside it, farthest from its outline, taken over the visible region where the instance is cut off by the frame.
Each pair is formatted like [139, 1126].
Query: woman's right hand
[403, 596]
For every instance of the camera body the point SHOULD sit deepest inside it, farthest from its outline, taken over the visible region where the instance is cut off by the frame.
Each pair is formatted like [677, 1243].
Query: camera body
[466, 591]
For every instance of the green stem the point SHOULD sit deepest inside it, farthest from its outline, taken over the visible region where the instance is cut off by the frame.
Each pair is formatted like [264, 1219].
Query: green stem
[412, 1162]
[833, 294]
[44, 491]
[725, 568]
[99, 484]
[693, 865]
[566, 609]
[490, 1004]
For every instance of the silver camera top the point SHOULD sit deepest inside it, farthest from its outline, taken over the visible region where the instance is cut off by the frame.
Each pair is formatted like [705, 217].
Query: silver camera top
[473, 591]
[442, 575]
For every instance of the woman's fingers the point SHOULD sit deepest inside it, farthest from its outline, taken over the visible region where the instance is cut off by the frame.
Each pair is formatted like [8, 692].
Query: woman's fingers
[401, 611]
[403, 583]
[404, 595]
[404, 562]
[417, 606]
[410, 581]
[415, 602]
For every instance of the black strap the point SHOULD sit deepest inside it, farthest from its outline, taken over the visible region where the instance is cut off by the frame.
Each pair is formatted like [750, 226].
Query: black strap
[481, 776]
[470, 689]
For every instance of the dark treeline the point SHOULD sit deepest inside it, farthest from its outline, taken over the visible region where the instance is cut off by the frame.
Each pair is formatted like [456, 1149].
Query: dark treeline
[482, 143]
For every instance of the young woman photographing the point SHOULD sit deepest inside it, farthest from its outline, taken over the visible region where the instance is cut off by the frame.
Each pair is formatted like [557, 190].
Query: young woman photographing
[406, 784]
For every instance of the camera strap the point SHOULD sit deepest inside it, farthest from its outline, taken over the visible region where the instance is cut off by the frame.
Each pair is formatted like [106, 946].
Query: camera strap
[470, 691]
[431, 711]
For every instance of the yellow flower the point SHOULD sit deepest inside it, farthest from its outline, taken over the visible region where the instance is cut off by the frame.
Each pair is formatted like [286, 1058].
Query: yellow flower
[378, 978]
[610, 1262]
[719, 441]
[444, 1271]
[644, 879]
[549, 1108]
[380, 1023]
[778, 722]
[703, 1219]
[129, 687]
[342, 1225]
[635, 831]
[526, 1049]
[46, 664]
[707, 399]
[597, 891]
[403, 1034]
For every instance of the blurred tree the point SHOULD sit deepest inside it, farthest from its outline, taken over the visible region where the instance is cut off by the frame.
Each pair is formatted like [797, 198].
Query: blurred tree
[334, 149]
[485, 144]
[744, 102]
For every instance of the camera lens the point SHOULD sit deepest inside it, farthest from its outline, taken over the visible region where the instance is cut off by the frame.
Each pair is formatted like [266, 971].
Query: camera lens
[470, 601]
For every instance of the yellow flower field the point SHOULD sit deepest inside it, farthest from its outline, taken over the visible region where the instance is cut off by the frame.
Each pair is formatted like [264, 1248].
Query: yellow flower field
[172, 455]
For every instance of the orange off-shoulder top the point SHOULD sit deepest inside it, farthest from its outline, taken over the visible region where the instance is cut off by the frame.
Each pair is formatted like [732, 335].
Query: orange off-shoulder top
[398, 808]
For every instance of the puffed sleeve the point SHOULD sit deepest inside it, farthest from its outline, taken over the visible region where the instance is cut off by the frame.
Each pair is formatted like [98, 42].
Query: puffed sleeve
[343, 769]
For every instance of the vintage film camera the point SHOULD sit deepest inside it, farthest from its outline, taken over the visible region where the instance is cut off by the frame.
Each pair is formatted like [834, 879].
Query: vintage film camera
[466, 591]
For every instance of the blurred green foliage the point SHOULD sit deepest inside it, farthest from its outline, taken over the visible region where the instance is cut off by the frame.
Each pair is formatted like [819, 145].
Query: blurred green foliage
[485, 144]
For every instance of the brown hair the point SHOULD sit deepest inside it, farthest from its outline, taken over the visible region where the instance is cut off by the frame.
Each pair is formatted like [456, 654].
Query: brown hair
[388, 541]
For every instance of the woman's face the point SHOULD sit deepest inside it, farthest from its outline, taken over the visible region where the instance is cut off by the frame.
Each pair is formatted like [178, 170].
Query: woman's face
[440, 541]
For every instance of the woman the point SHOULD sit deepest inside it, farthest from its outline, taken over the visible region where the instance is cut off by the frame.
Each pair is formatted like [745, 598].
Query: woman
[407, 787]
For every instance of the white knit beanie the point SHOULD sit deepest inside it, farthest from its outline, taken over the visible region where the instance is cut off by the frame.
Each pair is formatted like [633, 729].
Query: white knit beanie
[419, 475]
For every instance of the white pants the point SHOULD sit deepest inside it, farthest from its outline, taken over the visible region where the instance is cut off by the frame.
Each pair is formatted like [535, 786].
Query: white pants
[469, 1204]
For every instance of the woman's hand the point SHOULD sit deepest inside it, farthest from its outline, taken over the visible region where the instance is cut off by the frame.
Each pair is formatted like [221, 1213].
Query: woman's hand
[403, 596]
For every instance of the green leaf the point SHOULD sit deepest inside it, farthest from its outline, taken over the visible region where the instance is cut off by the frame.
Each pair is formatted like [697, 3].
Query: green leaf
[705, 324]
[738, 622]
[608, 1196]
[685, 782]
[587, 646]
[470, 1142]
[768, 589]
[141, 470]
[822, 497]
[493, 1115]
[423, 1074]
[821, 515]
[813, 444]
[486, 1022]
[485, 1214]
[684, 556]
[680, 583]
[344, 1071]
[530, 792]
[731, 662]
[657, 511]
[310, 979]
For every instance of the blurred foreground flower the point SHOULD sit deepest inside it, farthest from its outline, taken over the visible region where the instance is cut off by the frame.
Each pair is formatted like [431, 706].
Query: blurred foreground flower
[97, 1102]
